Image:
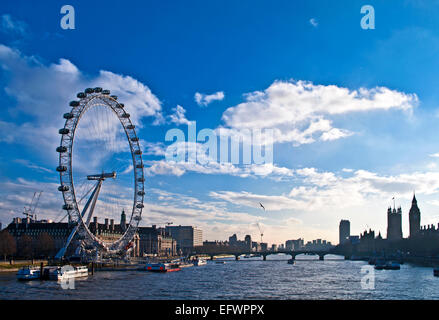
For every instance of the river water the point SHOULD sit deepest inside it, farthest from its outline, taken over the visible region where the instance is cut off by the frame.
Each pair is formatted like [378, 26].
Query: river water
[245, 279]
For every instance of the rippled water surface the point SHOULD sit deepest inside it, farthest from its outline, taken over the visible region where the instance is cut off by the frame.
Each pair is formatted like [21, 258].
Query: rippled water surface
[244, 279]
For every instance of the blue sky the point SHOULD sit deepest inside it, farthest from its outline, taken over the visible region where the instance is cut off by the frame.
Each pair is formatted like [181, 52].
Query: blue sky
[369, 95]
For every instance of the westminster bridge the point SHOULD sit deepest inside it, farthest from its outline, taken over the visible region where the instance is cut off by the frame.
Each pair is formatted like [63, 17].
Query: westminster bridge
[264, 254]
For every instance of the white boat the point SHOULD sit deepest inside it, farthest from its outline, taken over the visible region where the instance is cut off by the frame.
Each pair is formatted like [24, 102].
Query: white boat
[68, 273]
[28, 273]
[200, 262]
[185, 264]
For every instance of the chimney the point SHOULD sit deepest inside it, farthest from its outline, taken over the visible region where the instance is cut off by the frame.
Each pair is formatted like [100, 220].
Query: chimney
[112, 224]
[95, 225]
[106, 223]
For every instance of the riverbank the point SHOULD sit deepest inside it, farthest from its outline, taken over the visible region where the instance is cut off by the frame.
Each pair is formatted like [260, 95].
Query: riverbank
[15, 265]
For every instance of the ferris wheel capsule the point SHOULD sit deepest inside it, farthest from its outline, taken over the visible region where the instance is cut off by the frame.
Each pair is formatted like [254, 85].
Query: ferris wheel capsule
[81, 95]
[63, 188]
[89, 90]
[114, 97]
[68, 116]
[61, 168]
[61, 149]
[63, 131]
[106, 92]
[97, 89]
[74, 103]
[67, 207]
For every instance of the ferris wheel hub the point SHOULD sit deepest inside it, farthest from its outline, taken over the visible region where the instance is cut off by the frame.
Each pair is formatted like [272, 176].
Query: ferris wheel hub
[102, 176]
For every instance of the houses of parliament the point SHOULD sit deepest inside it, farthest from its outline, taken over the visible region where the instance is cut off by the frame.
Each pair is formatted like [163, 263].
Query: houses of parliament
[421, 241]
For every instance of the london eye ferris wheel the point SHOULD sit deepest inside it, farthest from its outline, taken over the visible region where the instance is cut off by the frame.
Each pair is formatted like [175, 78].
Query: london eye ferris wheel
[99, 143]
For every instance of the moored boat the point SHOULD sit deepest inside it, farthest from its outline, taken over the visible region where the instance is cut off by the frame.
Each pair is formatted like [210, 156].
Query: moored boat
[62, 273]
[185, 264]
[29, 273]
[380, 264]
[162, 267]
[200, 262]
[392, 266]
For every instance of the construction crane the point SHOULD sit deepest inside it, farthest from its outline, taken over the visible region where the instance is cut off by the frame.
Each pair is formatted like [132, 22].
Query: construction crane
[29, 211]
[260, 230]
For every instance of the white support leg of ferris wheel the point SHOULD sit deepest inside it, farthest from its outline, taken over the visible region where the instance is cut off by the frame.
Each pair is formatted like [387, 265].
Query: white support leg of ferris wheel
[92, 200]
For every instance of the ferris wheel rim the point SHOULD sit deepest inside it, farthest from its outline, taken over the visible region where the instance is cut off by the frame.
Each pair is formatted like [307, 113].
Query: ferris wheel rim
[88, 99]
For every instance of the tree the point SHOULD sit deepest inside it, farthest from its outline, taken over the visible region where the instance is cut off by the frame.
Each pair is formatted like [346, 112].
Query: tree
[46, 245]
[25, 246]
[8, 246]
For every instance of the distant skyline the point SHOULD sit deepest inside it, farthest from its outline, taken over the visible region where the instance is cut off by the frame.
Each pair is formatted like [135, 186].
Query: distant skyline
[354, 111]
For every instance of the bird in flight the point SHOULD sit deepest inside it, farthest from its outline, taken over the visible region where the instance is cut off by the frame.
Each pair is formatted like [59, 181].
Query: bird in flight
[262, 206]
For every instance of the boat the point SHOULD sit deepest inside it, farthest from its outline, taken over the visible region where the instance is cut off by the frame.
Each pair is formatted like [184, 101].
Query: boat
[63, 273]
[436, 272]
[200, 262]
[379, 265]
[220, 262]
[29, 273]
[392, 266]
[162, 267]
[291, 261]
[247, 256]
[185, 264]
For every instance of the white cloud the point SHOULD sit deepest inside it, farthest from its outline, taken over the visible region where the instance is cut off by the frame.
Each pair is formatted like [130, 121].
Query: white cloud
[31, 165]
[179, 117]
[327, 191]
[154, 148]
[205, 99]
[248, 199]
[313, 22]
[42, 93]
[12, 26]
[301, 112]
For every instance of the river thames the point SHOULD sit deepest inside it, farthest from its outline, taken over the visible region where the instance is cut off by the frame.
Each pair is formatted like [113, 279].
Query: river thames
[245, 279]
